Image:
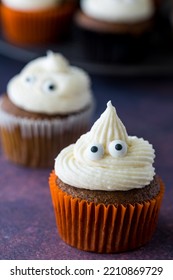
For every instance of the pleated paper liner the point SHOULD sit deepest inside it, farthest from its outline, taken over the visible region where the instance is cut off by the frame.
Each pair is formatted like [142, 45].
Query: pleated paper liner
[36, 143]
[35, 27]
[104, 229]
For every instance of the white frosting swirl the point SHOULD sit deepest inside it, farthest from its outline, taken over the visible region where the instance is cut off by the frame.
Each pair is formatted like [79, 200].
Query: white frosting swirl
[50, 85]
[31, 4]
[124, 164]
[118, 10]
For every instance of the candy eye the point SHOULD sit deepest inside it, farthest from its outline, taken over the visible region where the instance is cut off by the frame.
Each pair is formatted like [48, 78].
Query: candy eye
[30, 79]
[49, 86]
[117, 148]
[95, 152]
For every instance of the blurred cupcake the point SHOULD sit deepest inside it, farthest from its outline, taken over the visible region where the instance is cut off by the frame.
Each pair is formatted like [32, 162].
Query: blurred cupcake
[47, 106]
[105, 193]
[37, 21]
[114, 29]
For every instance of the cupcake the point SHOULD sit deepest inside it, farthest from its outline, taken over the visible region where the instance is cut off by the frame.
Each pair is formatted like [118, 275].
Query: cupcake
[36, 22]
[114, 29]
[105, 192]
[47, 106]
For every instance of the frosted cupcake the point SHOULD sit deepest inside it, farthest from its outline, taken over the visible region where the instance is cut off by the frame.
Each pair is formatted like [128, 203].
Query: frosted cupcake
[105, 193]
[113, 28]
[47, 106]
[36, 21]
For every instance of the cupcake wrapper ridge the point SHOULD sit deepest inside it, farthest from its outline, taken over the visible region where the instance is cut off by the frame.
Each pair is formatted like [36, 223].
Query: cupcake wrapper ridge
[35, 142]
[38, 26]
[104, 229]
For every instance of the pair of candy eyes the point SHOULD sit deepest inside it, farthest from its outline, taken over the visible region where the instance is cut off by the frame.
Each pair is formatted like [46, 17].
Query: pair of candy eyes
[117, 148]
[48, 86]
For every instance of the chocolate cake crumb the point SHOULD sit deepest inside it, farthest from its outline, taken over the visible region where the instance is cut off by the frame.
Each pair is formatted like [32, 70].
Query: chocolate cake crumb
[113, 197]
[8, 106]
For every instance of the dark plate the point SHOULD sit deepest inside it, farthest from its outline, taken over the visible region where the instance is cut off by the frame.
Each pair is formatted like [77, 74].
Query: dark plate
[158, 59]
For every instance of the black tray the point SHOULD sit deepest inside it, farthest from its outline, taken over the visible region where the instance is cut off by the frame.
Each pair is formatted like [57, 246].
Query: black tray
[158, 57]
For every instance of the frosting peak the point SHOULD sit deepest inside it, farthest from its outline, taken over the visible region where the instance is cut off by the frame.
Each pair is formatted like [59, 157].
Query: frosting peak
[108, 128]
[56, 62]
[106, 158]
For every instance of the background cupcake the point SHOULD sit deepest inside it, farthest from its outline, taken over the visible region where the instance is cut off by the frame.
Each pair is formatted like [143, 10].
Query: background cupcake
[47, 106]
[115, 29]
[38, 21]
[104, 190]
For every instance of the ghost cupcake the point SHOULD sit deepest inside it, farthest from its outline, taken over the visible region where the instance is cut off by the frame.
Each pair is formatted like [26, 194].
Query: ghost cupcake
[38, 21]
[114, 29]
[105, 192]
[47, 106]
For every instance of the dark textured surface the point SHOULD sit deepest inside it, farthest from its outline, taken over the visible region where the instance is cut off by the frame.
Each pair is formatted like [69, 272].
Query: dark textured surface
[27, 224]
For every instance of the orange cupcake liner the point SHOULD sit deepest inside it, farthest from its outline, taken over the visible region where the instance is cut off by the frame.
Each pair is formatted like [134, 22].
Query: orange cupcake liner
[104, 229]
[31, 27]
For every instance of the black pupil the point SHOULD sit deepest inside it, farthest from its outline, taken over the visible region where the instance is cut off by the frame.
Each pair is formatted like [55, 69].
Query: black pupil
[118, 147]
[51, 87]
[28, 79]
[94, 149]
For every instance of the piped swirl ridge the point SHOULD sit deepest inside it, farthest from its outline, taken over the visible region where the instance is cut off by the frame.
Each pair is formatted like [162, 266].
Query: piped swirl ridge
[106, 158]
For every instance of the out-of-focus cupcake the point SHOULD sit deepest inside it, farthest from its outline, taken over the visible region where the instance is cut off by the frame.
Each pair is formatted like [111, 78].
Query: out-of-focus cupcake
[105, 193]
[113, 28]
[47, 106]
[37, 21]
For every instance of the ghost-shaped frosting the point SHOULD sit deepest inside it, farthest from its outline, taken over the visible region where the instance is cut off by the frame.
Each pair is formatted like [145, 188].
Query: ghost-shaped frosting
[106, 158]
[50, 85]
[31, 4]
[118, 10]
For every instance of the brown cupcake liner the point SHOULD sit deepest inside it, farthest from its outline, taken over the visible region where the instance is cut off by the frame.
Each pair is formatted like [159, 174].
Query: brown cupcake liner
[34, 27]
[36, 143]
[100, 228]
